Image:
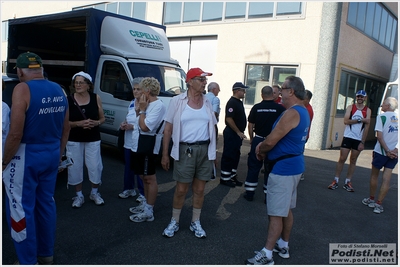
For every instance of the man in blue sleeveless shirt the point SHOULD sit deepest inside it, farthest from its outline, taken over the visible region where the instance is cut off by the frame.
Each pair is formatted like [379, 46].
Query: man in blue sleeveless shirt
[38, 134]
[285, 146]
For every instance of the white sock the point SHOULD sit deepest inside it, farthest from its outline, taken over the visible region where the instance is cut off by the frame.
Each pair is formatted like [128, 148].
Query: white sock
[176, 213]
[94, 191]
[347, 180]
[148, 209]
[282, 243]
[79, 194]
[268, 253]
[337, 179]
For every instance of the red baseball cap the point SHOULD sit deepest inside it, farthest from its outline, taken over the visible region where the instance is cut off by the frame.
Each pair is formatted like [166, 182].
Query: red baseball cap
[196, 72]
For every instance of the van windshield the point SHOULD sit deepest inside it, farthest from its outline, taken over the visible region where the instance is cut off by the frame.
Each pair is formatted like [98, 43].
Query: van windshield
[172, 80]
[392, 91]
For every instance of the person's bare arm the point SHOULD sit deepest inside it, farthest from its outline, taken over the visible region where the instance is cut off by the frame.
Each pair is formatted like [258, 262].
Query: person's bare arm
[20, 103]
[65, 133]
[165, 144]
[347, 120]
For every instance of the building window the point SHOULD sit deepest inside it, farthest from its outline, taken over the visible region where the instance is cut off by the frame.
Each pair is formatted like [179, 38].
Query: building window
[288, 8]
[172, 13]
[135, 10]
[199, 12]
[259, 75]
[212, 11]
[4, 31]
[125, 9]
[191, 12]
[139, 10]
[375, 21]
[351, 83]
[235, 10]
[99, 6]
[260, 10]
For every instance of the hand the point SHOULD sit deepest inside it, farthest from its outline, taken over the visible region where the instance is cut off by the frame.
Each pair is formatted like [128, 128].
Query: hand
[165, 162]
[360, 147]
[242, 136]
[123, 126]
[85, 124]
[143, 102]
[259, 156]
[392, 153]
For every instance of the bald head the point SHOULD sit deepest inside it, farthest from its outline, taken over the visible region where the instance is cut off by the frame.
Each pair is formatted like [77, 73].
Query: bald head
[267, 93]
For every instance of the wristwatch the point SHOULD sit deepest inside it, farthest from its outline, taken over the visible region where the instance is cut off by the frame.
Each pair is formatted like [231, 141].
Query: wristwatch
[359, 120]
[142, 112]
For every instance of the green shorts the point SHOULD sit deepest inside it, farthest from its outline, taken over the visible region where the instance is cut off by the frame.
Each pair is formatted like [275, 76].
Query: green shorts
[197, 166]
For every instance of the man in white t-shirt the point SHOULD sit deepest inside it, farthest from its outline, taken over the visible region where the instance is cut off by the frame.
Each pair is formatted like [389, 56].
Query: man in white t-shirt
[385, 153]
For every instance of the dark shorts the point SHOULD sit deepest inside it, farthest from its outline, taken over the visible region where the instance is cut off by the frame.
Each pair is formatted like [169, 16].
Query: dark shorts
[379, 161]
[143, 164]
[350, 143]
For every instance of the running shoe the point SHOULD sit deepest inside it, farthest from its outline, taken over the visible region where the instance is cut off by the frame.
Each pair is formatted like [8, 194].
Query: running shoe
[348, 187]
[260, 259]
[171, 229]
[368, 202]
[333, 185]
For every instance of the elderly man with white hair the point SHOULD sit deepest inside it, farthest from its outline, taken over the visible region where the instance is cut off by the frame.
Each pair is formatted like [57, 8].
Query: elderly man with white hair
[385, 153]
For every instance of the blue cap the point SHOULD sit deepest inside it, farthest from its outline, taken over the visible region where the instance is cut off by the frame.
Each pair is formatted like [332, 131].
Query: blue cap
[361, 92]
[239, 85]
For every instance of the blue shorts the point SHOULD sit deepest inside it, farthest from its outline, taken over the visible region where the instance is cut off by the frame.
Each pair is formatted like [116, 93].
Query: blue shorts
[379, 161]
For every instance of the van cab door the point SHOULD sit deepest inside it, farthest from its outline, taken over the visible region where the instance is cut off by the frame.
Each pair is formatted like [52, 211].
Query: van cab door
[114, 88]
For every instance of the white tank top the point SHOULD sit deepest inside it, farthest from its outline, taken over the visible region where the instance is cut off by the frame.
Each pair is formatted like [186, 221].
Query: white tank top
[194, 125]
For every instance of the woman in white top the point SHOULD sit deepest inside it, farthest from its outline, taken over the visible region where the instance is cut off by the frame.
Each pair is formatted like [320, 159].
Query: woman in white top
[128, 126]
[151, 114]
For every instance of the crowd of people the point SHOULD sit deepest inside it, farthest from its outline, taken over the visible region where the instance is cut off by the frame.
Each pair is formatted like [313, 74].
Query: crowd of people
[35, 142]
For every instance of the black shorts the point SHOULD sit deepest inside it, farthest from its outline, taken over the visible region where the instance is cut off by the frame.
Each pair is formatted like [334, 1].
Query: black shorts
[350, 143]
[143, 164]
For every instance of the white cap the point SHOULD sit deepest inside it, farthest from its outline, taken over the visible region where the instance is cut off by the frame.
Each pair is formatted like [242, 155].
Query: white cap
[83, 74]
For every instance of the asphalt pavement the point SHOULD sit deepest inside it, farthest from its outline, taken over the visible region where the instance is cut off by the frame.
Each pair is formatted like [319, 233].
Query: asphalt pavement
[235, 227]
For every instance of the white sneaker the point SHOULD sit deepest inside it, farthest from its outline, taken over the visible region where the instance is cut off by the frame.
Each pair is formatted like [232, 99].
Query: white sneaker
[142, 217]
[140, 198]
[197, 229]
[138, 209]
[171, 229]
[78, 202]
[97, 199]
[127, 193]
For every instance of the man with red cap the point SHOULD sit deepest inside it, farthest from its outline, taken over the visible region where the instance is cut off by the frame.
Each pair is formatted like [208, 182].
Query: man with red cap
[190, 121]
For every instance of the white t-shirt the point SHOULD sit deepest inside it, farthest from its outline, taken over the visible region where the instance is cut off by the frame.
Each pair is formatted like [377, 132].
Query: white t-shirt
[6, 122]
[131, 119]
[193, 130]
[155, 114]
[387, 123]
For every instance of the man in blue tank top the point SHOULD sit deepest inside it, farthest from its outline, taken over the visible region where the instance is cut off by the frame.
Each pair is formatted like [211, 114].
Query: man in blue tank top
[38, 135]
[285, 146]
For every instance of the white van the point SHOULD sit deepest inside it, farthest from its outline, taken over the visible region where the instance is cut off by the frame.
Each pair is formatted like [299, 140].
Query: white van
[391, 89]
